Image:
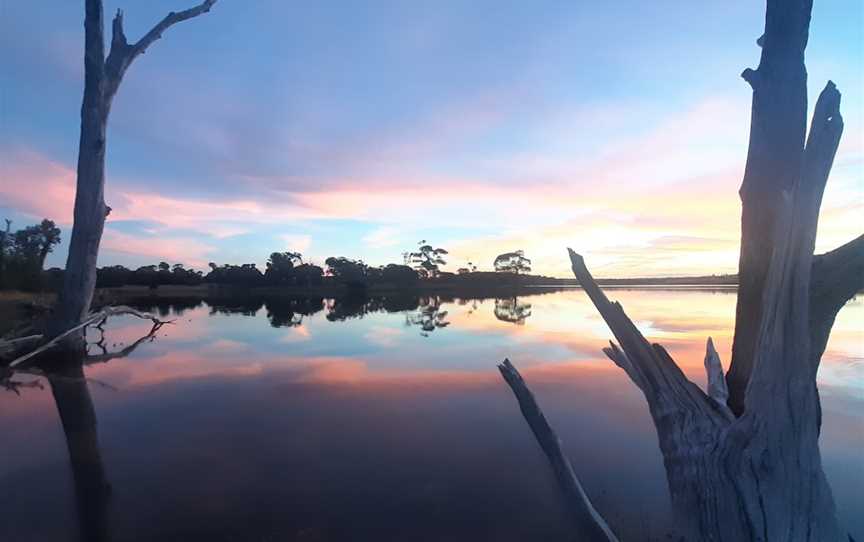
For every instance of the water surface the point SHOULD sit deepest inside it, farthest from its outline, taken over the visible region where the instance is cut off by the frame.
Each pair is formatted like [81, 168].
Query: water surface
[320, 420]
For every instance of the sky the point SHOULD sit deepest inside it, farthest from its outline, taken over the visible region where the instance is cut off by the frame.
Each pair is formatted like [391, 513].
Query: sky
[357, 129]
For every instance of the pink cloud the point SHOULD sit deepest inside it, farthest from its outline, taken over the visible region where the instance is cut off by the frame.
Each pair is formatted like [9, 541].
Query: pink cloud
[190, 252]
[35, 185]
[628, 204]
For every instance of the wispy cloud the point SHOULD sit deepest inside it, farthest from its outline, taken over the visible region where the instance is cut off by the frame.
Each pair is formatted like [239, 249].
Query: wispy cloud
[382, 237]
[297, 243]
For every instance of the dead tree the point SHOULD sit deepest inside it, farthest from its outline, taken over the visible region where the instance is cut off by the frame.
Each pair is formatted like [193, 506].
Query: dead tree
[778, 158]
[744, 464]
[102, 78]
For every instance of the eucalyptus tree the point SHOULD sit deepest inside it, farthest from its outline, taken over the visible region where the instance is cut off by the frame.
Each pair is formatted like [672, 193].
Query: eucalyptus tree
[512, 262]
[427, 260]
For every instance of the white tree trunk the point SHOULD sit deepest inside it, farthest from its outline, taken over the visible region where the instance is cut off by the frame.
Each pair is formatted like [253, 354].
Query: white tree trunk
[102, 78]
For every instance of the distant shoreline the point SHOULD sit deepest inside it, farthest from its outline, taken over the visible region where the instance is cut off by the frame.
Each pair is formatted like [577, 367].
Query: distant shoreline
[468, 285]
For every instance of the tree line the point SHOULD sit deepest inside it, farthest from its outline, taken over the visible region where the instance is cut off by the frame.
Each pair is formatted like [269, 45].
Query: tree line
[23, 253]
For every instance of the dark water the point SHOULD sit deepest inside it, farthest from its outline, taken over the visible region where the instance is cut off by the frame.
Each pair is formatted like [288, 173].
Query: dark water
[315, 420]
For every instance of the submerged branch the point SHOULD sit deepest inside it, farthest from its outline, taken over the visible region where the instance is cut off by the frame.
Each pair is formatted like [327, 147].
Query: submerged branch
[589, 522]
[93, 318]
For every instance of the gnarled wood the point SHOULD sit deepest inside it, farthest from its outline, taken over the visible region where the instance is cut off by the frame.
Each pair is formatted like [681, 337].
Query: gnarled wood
[758, 477]
[589, 524]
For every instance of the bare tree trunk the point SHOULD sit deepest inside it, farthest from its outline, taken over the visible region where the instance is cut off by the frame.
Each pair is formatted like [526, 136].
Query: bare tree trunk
[102, 78]
[749, 468]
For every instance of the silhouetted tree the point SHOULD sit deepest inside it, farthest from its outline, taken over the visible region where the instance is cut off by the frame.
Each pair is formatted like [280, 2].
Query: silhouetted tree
[113, 276]
[427, 259]
[240, 275]
[280, 267]
[398, 274]
[512, 262]
[353, 273]
[23, 253]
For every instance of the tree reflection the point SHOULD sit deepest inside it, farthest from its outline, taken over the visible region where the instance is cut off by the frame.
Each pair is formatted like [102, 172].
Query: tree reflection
[78, 417]
[429, 316]
[512, 310]
[289, 311]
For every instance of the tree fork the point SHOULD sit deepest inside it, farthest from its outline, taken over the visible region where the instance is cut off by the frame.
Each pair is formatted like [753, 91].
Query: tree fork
[102, 78]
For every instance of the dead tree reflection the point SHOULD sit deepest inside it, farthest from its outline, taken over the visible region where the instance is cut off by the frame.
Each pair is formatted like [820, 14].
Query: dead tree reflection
[78, 417]
[70, 389]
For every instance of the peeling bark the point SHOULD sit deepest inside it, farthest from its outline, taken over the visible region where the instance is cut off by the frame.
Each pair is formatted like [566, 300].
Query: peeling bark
[102, 78]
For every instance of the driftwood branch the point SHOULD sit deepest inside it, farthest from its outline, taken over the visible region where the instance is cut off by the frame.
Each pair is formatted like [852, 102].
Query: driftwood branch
[589, 523]
[92, 319]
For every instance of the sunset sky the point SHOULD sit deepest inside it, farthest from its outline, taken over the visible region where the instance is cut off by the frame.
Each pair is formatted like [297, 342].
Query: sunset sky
[358, 128]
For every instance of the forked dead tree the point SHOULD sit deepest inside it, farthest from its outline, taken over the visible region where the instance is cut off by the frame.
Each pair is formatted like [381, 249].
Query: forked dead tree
[102, 78]
[744, 464]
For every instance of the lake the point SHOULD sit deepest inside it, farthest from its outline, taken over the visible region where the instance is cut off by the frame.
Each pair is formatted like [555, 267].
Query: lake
[384, 419]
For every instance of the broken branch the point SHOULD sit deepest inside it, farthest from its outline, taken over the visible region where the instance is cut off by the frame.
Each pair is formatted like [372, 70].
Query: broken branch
[716, 388]
[588, 521]
[93, 318]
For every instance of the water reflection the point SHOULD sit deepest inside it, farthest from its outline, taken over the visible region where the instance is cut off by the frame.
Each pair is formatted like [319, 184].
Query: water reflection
[78, 418]
[512, 310]
[304, 419]
[429, 316]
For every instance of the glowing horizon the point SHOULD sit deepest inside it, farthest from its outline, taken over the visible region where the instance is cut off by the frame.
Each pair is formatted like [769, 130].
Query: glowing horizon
[483, 129]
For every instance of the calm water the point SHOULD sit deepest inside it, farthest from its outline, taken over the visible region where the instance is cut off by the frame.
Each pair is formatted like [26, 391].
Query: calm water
[318, 421]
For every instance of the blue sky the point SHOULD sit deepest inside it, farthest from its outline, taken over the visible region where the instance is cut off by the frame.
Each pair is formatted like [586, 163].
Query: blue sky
[359, 128]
